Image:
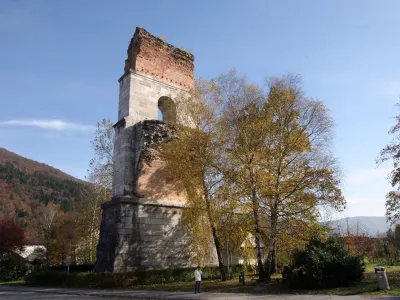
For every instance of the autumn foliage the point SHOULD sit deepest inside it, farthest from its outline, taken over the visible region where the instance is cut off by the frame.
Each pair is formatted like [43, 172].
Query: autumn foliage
[12, 236]
[255, 158]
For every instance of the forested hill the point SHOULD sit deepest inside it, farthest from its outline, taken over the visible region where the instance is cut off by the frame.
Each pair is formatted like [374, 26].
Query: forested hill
[27, 185]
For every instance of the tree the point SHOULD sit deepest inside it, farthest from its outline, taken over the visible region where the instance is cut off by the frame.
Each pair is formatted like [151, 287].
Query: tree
[279, 156]
[12, 236]
[391, 153]
[68, 236]
[193, 159]
[265, 154]
[324, 264]
[100, 175]
[88, 221]
[244, 134]
[12, 239]
[101, 165]
[47, 223]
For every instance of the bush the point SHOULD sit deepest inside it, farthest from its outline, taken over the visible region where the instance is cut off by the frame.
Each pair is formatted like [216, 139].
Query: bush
[73, 268]
[184, 274]
[11, 267]
[114, 280]
[324, 264]
[89, 280]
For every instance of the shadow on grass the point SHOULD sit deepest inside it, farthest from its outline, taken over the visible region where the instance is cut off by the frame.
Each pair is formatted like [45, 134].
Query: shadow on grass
[18, 282]
[368, 286]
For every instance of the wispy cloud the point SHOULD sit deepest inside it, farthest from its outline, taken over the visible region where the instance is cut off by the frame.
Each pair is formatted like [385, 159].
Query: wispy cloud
[50, 124]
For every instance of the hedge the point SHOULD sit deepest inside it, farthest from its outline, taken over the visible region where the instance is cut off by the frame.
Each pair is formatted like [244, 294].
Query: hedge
[73, 268]
[115, 280]
[11, 267]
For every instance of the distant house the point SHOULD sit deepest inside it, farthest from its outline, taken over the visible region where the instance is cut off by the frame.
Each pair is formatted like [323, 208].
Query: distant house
[33, 254]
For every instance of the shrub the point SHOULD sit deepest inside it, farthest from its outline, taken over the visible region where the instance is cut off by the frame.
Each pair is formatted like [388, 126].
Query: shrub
[11, 267]
[114, 280]
[324, 264]
[183, 274]
[90, 280]
[73, 268]
[12, 236]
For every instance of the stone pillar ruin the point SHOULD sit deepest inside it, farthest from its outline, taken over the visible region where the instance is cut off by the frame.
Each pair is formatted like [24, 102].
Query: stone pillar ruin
[141, 227]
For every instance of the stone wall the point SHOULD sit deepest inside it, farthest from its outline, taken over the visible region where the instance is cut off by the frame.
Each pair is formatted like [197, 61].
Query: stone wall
[154, 181]
[142, 234]
[143, 228]
[139, 97]
[140, 172]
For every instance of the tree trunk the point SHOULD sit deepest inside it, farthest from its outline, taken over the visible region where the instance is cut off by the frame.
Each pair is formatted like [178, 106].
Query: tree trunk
[217, 242]
[271, 249]
[257, 231]
[219, 253]
[260, 267]
[273, 265]
[47, 253]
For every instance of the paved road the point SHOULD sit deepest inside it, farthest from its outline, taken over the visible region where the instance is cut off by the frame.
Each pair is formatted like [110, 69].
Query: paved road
[27, 293]
[33, 295]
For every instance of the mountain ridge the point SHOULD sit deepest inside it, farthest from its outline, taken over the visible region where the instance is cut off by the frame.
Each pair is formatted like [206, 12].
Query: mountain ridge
[26, 186]
[24, 163]
[371, 225]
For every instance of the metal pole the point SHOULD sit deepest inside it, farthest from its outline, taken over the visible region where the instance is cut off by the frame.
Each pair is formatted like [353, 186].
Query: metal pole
[69, 255]
[227, 258]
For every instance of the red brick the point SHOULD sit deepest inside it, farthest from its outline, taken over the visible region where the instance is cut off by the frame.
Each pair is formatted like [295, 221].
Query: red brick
[150, 55]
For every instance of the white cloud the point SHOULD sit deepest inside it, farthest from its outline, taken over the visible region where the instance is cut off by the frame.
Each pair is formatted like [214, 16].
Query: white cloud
[50, 124]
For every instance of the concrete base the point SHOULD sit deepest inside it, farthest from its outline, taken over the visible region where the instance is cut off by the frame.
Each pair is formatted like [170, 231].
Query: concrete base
[138, 233]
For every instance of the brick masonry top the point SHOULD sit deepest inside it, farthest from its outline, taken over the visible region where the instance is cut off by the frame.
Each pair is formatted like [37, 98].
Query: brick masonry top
[150, 55]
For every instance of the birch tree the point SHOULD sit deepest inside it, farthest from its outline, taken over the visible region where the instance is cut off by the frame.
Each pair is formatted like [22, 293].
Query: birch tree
[391, 153]
[279, 150]
[47, 224]
[101, 165]
[100, 175]
[89, 218]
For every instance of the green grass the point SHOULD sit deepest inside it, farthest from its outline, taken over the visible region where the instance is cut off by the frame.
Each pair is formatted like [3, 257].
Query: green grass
[369, 268]
[17, 282]
[367, 286]
[230, 286]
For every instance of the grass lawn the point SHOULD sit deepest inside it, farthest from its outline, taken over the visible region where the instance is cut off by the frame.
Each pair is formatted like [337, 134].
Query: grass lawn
[367, 286]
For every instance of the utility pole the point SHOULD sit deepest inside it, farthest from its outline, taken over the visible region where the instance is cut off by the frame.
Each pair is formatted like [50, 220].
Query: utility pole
[69, 256]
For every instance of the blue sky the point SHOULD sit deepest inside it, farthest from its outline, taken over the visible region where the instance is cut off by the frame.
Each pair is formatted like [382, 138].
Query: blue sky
[60, 62]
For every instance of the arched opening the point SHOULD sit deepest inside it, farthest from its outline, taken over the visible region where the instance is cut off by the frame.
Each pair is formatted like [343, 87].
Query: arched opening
[167, 110]
[159, 115]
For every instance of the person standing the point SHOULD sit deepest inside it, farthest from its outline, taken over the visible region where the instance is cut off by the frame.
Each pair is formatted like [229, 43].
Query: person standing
[197, 278]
